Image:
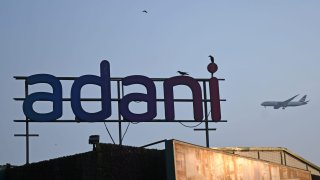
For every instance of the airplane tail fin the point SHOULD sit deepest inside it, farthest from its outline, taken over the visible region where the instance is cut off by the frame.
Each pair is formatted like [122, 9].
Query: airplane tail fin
[303, 99]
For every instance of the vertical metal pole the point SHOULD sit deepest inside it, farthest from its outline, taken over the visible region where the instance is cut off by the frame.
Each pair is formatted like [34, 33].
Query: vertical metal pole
[206, 113]
[119, 115]
[27, 124]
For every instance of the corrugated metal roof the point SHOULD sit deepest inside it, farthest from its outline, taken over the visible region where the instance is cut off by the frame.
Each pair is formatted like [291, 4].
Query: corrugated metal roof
[232, 149]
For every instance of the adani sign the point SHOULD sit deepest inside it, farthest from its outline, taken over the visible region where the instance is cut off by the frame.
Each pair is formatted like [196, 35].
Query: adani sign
[104, 82]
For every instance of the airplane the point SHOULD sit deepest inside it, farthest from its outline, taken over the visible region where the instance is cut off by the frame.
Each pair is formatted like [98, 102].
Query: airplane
[286, 103]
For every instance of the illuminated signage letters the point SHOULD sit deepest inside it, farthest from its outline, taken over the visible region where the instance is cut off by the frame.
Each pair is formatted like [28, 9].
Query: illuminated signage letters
[103, 81]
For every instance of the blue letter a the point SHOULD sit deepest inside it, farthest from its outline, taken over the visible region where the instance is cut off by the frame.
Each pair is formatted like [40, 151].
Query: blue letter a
[55, 97]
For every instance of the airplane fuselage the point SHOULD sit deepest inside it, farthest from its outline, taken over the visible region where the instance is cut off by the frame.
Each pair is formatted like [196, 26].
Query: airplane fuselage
[277, 103]
[286, 103]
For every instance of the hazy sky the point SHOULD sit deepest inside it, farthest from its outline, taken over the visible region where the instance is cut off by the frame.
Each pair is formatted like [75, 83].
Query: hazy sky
[266, 50]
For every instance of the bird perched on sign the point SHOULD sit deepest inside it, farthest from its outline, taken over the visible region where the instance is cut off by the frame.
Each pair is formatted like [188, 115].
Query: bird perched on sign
[145, 11]
[182, 73]
[211, 58]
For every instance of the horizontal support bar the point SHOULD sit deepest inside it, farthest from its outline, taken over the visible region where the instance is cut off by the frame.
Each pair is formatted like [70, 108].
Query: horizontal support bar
[210, 129]
[112, 78]
[24, 135]
[113, 121]
[157, 142]
[116, 99]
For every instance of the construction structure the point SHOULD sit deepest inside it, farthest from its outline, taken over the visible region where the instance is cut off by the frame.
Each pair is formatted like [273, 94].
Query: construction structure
[179, 160]
[277, 155]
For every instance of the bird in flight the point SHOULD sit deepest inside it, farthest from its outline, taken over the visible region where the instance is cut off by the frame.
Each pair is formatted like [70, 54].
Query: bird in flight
[182, 73]
[211, 58]
[145, 11]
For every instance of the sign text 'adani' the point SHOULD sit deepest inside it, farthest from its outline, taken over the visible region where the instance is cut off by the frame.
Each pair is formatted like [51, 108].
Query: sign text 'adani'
[103, 81]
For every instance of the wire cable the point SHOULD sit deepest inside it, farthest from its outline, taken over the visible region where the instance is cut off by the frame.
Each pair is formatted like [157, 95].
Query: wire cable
[108, 132]
[196, 124]
[191, 126]
[208, 114]
[125, 132]
[134, 122]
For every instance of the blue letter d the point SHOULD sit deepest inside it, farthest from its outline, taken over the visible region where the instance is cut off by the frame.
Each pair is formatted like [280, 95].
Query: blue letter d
[104, 83]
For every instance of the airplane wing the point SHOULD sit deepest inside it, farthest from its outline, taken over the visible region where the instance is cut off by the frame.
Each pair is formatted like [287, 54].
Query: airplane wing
[285, 103]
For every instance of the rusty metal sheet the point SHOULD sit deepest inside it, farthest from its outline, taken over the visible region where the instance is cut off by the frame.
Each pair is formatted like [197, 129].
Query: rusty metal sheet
[198, 163]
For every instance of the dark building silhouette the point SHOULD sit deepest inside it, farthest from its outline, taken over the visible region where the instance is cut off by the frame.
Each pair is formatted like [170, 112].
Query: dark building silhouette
[179, 160]
[108, 161]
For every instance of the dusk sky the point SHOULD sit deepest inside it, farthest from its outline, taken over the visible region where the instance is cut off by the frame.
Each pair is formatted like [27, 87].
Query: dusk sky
[266, 50]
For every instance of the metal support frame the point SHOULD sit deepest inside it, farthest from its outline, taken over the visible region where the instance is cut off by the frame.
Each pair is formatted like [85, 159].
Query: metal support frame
[206, 114]
[120, 120]
[27, 125]
[154, 143]
[206, 129]
[27, 134]
[119, 115]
